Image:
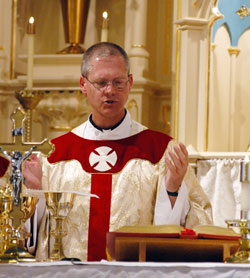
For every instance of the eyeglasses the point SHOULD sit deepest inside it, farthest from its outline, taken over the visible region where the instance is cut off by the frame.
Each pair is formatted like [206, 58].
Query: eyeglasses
[101, 85]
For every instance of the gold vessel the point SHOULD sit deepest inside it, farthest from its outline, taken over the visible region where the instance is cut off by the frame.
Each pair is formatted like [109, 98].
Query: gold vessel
[59, 205]
[242, 255]
[13, 235]
[5, 227]
[75, 13]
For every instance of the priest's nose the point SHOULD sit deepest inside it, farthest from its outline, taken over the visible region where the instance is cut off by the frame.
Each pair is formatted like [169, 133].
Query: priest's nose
[109, 89]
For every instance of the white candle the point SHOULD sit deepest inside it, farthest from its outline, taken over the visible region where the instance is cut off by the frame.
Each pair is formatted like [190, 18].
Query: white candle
[31, 34]
[245, 184]
[104, 33]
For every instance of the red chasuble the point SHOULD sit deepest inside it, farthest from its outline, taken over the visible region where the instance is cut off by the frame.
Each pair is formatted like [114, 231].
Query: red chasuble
[4, 163]
[102, 158]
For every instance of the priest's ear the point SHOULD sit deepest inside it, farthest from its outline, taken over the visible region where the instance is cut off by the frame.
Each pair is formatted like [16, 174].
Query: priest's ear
[83, 85]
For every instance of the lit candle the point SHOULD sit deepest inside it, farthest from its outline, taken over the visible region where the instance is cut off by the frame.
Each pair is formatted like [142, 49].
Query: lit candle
[104, 33]
[31, 34]
[245, 184]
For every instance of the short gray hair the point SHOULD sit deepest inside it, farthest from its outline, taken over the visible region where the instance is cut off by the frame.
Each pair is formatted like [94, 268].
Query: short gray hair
[102, 49]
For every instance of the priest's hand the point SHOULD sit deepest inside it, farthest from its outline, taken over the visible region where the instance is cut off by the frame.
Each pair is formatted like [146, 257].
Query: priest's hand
[177, 164]
[32, 172]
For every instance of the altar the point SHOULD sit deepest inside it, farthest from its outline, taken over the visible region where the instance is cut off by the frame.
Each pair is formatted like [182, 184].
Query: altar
[125, 269]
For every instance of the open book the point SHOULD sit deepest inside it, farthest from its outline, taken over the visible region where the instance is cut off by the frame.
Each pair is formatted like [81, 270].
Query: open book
[205, 243]
[201, 231]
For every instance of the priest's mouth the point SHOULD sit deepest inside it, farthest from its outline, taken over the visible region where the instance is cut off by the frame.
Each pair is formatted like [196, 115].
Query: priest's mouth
[109, 101]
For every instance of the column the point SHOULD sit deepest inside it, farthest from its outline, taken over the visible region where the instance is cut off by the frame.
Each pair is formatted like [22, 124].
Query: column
[137, 14]
[234, 52]
[190, 86]
[6, 8]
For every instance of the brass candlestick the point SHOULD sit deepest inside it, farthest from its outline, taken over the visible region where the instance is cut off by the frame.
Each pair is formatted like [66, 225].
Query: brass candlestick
[29, 99]
[15, 208]
[75, 14]
[243, 253]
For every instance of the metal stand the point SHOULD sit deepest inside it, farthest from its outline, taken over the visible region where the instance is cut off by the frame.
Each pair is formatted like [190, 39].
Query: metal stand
[243, 253]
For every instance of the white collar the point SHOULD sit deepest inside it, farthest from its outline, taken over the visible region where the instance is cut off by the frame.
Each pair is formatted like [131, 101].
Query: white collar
[88, 131]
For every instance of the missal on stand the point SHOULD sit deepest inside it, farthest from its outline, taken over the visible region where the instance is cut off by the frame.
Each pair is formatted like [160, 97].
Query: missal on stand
[171, 230]
[172, 243]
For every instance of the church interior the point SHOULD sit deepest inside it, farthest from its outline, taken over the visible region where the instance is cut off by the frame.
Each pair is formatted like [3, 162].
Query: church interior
[188, 60]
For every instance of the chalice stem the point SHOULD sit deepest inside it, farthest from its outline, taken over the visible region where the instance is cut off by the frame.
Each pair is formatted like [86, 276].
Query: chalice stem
[57, 252]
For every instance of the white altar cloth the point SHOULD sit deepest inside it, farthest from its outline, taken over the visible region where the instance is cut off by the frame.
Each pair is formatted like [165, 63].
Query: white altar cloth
[124, 269]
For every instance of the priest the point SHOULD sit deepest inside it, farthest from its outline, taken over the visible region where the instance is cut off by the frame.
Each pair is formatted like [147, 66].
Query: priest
[141, 176]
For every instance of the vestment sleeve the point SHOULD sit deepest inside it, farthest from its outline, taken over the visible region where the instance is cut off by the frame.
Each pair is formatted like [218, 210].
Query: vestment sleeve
[32, 225]
[164, 213]
[192, 206]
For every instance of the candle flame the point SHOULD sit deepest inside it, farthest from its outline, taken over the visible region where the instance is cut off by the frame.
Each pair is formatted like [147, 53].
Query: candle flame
[246, 160]
[105, 14]
[31, 20]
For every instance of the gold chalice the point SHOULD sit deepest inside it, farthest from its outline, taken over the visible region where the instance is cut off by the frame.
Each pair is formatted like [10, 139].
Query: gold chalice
[12, 233]
[5, 227]
[59, 205]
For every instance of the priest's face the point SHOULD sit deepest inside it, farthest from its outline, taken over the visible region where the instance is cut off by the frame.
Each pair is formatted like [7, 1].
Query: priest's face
[107, 87]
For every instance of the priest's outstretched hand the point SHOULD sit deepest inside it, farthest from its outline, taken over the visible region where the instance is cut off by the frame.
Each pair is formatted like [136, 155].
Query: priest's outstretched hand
[177, 164]
[32, 171]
